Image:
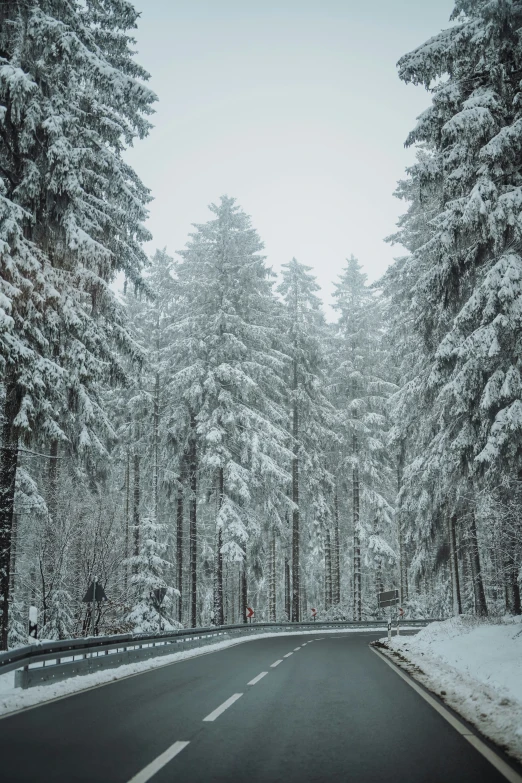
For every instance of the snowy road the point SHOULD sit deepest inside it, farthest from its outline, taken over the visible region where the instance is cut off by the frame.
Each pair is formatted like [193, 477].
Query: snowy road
[301, 708]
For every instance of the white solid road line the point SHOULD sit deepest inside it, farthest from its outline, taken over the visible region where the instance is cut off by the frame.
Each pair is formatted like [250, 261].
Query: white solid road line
[226, 704]
[256, 679]
[273, 665]
[158, 763]
[508, 772]
[288, 655]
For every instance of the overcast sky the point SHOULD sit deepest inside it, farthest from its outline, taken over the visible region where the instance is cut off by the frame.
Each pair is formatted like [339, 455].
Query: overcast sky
[294, 108]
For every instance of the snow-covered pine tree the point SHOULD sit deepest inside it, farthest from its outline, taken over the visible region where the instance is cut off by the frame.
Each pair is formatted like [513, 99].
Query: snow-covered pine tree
[149, 567]
[228, 377]
[411, 406]
[469, 293]
[145, 412]
[71, 215]
[360, 392]
[311, 413]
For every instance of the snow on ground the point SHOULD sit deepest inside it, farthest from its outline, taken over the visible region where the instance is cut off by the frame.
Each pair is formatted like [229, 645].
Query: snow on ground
[13, 699]
[475, 667]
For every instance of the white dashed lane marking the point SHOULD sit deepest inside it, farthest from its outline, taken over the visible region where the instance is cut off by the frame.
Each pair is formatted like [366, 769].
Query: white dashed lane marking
[256, 679]
[150, 770]
[276, 663]
[226, 704]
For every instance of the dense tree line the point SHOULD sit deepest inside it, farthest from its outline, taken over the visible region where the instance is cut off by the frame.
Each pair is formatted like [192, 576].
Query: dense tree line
[207, 436]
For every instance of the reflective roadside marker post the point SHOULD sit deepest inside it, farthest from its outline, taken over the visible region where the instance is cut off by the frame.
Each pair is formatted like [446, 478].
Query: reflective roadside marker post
[33, 622]
[389, 628]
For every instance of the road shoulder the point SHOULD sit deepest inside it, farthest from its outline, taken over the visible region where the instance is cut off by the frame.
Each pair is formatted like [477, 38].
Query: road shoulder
[455, 697]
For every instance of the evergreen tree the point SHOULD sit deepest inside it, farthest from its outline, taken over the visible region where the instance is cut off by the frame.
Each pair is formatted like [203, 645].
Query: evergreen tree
[311, 412]
[361, 392]
[228, 377]
[71, 216]
[149, 569]
[468, 283]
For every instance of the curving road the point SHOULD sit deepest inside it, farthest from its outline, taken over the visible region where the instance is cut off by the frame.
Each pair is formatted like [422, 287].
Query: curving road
[330, 710]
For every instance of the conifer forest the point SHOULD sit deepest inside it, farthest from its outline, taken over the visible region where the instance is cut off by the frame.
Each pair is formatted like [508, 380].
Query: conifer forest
[189, 423]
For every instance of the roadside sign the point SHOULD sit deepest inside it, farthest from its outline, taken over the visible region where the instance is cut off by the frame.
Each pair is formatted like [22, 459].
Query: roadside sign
[401, 612]
[250, 612]
[314, 613]
[388, 598]
[94, 595]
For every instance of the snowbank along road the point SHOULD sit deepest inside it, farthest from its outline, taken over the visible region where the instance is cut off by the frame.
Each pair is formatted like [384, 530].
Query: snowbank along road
[303, 708]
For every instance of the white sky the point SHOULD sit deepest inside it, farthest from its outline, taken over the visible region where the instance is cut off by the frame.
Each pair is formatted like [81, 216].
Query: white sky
[293, 107]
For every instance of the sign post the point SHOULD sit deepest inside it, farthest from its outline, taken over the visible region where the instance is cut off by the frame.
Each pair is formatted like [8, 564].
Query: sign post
[388, 598]
[314, 614]
[95, 594]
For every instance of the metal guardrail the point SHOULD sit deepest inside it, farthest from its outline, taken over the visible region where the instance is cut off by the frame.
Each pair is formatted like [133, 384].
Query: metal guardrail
[54, 661]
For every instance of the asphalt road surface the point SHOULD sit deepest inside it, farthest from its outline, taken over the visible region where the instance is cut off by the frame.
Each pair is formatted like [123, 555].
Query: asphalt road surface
[330, 710]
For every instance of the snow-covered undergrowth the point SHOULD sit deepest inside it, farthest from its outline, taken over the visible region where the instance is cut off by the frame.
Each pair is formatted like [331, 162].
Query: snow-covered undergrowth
[475, 667]
[13, 699]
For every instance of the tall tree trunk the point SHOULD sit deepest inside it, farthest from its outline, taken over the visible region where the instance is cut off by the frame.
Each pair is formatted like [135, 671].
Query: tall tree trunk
[272, 583]
[136, 509]
[287, 589]
[296, 614]
[52, 500]
[454, 565]
[327, 571]
[226, 598]
[336, 558]
[218, 586]
[357, 593]
[403, 565]
[240, 593]
[52, 536]
[511, 586]
[515, 592]
[244, 591]
[14, 542]
[303, 600]
[155, 446]
[8, 466]
[127, 526]
[179, 549]
[379, 585]
[193, 532]
[478, 583]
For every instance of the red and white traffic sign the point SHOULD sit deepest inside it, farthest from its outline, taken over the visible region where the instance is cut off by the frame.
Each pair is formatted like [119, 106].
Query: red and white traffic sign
[250, 612]
[314, 612]
[401, 612]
